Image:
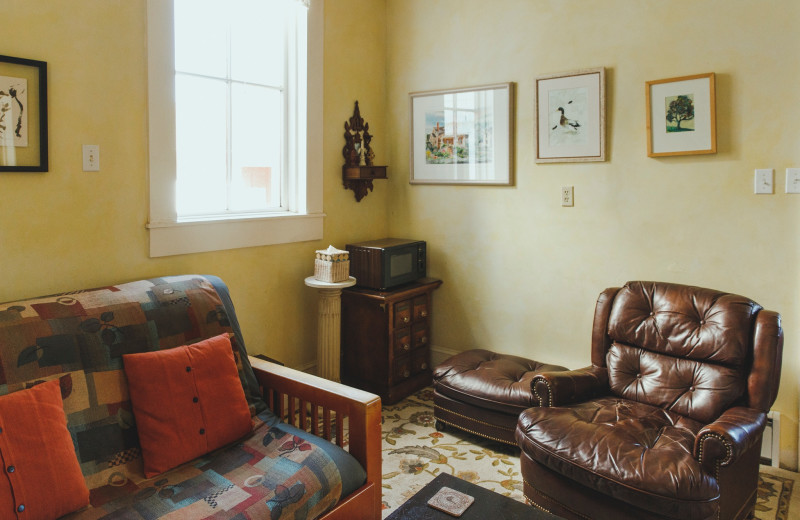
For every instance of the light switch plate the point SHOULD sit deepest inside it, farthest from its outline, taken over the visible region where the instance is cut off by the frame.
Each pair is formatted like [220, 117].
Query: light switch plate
[764, 181]
[792, 180]
[91, 157]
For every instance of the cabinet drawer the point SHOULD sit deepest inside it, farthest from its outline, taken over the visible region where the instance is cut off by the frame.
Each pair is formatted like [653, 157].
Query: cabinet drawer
[402, 313]
[402, 342]
[419, 335]
[420, 307]
[401, 370]
[419, 360]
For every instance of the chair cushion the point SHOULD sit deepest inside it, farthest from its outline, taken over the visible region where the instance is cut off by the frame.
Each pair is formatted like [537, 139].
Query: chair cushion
[488, 380]
[187, 401]
[684, 321]
[679, 347]
[698, 390]
[277, 472]
[634, 452]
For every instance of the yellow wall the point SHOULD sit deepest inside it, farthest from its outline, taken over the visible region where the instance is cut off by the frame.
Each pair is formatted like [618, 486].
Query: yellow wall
[522, 273]
[67, 229]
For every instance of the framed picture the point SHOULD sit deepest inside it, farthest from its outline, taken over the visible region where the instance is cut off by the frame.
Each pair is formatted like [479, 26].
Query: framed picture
[681, 116]
[570, 114]
[463, 136]
[23, 115]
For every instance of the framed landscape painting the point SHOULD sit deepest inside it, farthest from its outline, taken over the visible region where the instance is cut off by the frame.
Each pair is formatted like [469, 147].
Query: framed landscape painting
[462, 136]
[681, 116]
[570, 115]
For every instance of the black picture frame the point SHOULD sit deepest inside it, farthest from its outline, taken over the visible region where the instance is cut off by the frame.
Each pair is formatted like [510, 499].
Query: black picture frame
[23, 124]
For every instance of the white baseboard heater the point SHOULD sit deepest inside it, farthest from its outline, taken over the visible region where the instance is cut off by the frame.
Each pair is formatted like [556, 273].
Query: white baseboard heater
[771, 442]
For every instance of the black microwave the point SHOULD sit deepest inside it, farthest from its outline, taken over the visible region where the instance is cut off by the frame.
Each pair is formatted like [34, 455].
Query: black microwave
[387, 262]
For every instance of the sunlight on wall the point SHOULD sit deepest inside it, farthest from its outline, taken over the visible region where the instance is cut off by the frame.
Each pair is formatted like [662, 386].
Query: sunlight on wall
[521, 273]
[68, 229]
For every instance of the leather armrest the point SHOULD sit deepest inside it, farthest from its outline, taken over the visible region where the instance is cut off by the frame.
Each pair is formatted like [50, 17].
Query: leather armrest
[571, 386]
[731, 435]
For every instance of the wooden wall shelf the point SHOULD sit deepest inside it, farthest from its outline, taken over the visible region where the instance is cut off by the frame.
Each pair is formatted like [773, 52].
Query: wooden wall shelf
[359, 178]
[358, 171]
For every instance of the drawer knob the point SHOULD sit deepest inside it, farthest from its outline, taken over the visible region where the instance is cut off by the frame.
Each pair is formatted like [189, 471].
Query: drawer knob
[406, 319]
[424, 366]
[423, 340]
[406, 346]
[423, 314]
[406, 373]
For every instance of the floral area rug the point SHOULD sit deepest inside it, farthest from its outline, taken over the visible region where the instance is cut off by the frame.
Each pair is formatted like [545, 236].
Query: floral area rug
[414, 453]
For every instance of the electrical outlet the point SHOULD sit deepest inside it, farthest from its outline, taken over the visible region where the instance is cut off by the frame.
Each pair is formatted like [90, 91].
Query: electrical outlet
[567, 196]
[91, 157]
[764, 181]
[792, 180]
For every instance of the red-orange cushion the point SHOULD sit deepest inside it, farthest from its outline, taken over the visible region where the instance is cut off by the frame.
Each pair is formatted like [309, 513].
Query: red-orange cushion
[187, 402]
[41, 478]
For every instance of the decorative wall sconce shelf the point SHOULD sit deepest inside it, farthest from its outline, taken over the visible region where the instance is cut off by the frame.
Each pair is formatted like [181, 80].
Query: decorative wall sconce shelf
[359, 171]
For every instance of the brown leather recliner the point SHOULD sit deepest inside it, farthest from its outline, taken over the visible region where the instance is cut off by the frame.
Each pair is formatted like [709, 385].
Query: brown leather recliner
[667, 422]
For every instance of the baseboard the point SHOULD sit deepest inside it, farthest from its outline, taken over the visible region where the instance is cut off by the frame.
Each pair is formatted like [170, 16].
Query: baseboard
[308, 368]
[439, 354]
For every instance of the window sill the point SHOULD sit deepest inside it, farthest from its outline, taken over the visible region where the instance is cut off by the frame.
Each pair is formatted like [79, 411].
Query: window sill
[200, 236]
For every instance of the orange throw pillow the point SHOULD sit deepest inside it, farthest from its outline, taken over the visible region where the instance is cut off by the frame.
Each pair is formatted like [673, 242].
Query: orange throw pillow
[187, 401]
[41, 478]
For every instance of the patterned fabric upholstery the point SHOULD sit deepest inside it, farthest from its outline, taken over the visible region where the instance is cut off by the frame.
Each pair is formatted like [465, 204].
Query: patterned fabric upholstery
[79, 338]
[277, 472]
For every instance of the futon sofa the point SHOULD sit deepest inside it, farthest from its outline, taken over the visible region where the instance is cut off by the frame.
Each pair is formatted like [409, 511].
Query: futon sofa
[96, 403]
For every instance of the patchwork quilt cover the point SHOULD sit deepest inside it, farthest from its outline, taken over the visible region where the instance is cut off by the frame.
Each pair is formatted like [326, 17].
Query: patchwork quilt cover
[79, 338]
[277, 472]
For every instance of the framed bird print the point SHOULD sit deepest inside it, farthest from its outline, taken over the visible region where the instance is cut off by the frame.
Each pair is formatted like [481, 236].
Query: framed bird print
[463, 136]
[571, 116]
[681, 116]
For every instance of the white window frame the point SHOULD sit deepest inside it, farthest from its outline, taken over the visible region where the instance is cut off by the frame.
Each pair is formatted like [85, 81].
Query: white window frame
[170, 235]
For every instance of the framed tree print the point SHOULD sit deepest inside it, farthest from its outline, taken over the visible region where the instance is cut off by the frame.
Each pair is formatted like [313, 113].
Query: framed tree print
[571, 116]
[681, 116]
[23, 115]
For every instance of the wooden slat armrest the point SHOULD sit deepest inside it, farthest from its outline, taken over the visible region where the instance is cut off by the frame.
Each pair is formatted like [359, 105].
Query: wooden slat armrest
[312, 386]
[362, 409]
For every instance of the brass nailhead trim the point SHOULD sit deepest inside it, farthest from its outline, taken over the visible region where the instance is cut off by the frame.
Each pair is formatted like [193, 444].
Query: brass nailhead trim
[437, 407]
[535, 380]
[530, 502]
[551, 499]
[479, 434]
[725, 442]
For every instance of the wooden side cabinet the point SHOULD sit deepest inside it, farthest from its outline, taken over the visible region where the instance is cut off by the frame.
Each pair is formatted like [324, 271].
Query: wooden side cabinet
[386, 338]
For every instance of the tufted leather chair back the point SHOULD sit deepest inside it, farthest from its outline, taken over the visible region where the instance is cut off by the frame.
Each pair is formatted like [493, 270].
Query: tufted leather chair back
[689, 350]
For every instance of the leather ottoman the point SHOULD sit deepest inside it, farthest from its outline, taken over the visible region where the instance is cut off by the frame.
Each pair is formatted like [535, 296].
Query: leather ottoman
[484, 393]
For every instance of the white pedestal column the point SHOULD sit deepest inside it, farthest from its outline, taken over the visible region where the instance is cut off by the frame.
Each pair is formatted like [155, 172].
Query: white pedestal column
[329, 316]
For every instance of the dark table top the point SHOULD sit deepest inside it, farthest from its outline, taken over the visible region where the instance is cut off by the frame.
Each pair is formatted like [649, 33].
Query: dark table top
[487, 505]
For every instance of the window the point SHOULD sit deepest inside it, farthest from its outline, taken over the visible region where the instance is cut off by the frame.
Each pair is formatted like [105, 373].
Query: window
[234, 103]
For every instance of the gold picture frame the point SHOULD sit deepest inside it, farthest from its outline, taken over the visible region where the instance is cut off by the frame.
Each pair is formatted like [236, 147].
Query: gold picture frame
[23, 115]
[681, 116]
